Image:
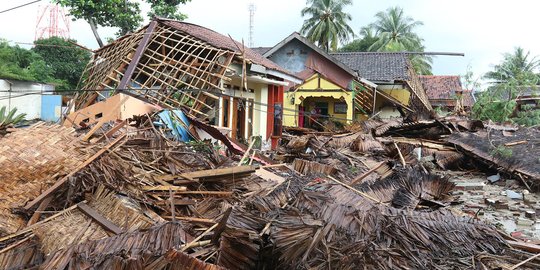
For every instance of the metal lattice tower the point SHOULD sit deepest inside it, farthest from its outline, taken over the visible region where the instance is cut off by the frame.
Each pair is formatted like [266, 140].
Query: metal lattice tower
[251, 9]
[51, 22]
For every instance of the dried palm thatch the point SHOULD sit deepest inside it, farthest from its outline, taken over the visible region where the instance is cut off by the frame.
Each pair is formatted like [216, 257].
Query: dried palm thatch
[307, 167]
[512, 153]
[21, 253]
[351, 232]
[153, 248]
[31, 160]
[409, 188]
[75, 227]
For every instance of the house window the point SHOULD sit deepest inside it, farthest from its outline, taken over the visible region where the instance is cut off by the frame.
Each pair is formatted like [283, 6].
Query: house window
[340, 107]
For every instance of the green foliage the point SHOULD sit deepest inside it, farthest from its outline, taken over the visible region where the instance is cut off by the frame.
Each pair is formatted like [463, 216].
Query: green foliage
[392, 31]
[167, 9]
[395, 33]
[17, 63]
[515, 75]
[501, 151]
[115, 13]
[64, 60]
[327, 23]
[528, 116]
[124, 14]
[517, 66]
[367, 38]
[489, 108]
[11, 118]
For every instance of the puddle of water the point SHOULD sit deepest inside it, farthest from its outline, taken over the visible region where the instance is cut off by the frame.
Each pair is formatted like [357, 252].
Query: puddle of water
[509, 225]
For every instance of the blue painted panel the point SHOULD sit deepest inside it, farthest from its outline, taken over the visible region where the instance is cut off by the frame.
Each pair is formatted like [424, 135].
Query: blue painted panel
[51, 107]
[177, 122]
[292, 56]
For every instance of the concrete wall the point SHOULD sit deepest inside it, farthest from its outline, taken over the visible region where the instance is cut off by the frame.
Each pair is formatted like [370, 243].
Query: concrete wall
[292, 56]
[303, 97]
[25, 96]
[260, 99]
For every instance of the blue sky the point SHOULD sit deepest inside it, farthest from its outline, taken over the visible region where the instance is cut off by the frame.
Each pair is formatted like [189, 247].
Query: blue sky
[481, 29]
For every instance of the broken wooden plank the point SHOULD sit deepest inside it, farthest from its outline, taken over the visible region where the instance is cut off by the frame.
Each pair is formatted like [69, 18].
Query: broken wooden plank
[164, 188]
[192, 219]
[231, 171]
[515, 143]
[202, 192]
[113, 130]
[104, 119]
[42, 206]
[97, 217]
[222, 225]
[524, 246]
[64, 179]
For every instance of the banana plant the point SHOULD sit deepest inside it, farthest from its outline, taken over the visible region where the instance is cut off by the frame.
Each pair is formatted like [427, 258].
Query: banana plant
[10, 118]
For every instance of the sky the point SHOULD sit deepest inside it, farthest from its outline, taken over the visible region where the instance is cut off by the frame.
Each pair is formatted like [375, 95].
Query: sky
[481, 29]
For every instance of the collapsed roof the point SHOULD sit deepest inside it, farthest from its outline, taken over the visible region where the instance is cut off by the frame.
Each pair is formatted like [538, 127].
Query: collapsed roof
[165, 56]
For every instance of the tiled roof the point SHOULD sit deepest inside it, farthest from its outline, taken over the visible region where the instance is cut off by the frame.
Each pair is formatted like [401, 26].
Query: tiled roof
[468, 99]
[441, 87]
[223, 42]
[376, 66]
[261, 50]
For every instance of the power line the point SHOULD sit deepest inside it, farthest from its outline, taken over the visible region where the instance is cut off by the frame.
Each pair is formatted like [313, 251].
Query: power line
[29, 92]
[23, 5]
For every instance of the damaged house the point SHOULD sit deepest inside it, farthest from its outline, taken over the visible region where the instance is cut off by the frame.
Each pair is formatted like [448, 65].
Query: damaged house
[181, 65]
[446, 92]
[394, 77]
[329, 92]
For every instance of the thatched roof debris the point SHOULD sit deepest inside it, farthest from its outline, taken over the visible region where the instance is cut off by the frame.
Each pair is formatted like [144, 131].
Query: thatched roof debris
[137, 199]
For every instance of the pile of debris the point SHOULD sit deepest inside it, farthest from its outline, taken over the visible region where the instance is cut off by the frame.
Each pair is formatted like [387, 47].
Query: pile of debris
[131, 194]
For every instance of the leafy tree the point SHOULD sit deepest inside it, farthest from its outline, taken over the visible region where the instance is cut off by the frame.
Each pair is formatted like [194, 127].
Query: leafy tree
[395, 33]
[64, 59]
[327, 23]
[20, 64]
[167, 9]
[367, 38]
[124, 14]
[510, 79]
[515, 66]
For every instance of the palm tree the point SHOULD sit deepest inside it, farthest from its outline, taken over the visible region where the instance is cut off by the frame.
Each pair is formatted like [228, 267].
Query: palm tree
[518, 65]
[395, 33]
[514, 75]
[327, 23]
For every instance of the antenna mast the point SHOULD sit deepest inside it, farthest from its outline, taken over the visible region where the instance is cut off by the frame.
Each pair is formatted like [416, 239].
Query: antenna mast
[51, 22]
[251, 9]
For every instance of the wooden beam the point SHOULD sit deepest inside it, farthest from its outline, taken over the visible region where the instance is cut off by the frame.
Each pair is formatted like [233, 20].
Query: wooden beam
[42, 206]
[64, 179]
[97, 217]
[113, 130]
[231, 171]
[524, 246]
[105, 119]
[138, 54]
[164, 188]
[202, 192]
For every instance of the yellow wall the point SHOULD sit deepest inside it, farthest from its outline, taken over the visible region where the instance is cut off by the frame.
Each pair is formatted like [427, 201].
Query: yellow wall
[313, 83]
[402, 95]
